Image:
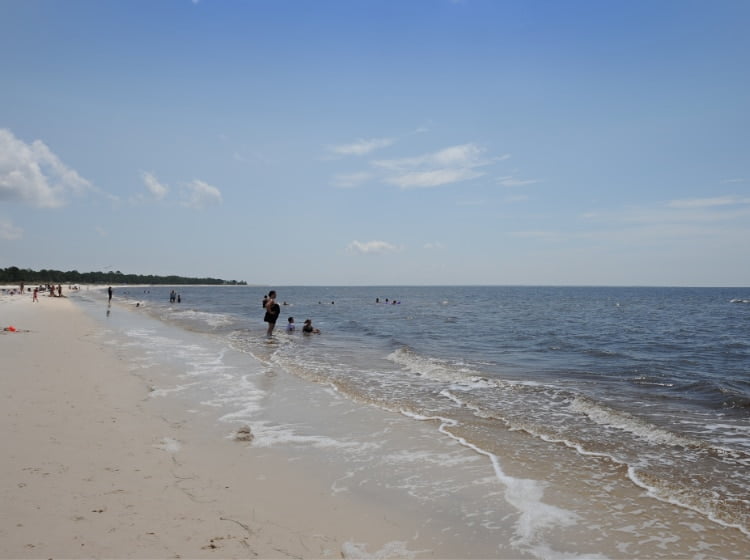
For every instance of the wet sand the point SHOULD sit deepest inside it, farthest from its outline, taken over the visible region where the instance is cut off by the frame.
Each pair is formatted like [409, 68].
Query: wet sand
[92, 467]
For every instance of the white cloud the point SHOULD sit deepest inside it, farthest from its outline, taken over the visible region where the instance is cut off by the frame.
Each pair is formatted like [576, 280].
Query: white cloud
[370, 247]
[154, 186]
[435, 178]
[362, 147]
[695, 220]
[437, 245]
[33, 174]
[199, 194]
[8, 231]
[465, 155]
[351, 180]
[718, 210]
[708, 202]
[449, 165]
[510, 181]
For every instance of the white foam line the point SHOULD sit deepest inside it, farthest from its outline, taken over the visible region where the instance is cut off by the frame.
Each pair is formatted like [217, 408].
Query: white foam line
[523, 494]
[608, 417]
[176, 389]
[654, 493]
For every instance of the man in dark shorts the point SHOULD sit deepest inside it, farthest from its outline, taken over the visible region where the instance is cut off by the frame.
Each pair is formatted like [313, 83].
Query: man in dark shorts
[272, 312]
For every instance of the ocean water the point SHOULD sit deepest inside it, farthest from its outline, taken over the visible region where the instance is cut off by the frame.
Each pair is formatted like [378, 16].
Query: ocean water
[548, 421]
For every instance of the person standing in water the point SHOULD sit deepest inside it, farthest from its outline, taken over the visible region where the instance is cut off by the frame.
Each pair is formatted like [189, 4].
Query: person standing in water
[272, 312]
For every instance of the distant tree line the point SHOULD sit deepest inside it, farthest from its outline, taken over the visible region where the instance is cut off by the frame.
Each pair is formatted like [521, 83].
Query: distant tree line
[15, 275]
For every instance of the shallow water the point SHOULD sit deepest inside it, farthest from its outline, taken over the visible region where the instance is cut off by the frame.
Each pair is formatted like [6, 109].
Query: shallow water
[608, 421]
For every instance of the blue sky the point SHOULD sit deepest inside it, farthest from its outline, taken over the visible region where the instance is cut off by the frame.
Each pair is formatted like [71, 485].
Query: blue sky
[378, 142]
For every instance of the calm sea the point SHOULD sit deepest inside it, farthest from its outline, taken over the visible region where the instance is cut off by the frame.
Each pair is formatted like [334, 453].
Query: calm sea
[647, 388]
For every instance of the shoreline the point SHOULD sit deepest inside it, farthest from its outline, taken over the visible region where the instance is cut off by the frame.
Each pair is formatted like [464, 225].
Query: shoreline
[123, 429]
[96, 468]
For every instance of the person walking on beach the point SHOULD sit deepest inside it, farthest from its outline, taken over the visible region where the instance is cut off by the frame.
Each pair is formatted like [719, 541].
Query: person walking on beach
[272, 312]
[109, 290]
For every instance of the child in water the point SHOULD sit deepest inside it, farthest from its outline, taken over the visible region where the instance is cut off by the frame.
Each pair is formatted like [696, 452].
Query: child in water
[308, 328]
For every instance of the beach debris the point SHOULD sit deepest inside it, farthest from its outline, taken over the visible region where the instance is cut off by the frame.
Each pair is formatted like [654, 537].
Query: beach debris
[244, 434]
[12, 329]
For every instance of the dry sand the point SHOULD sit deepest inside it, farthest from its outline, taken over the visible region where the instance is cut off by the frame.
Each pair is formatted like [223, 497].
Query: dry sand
[92, 468]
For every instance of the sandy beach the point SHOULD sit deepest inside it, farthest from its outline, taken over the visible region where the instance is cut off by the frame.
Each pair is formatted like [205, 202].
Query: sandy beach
[92, 467]
[123, 438]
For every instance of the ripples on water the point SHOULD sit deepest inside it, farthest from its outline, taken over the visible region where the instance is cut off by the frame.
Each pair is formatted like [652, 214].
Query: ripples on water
[651, 378]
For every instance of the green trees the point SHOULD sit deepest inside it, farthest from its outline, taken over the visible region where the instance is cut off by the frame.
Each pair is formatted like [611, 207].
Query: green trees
[15, 275]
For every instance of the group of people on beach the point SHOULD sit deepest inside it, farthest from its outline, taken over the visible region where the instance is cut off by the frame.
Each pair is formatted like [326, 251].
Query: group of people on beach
[273, 310]
[50, 289]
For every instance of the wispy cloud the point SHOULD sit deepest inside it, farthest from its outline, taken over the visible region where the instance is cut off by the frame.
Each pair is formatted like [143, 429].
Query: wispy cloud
[433, 178]
[199, 194]
[362, 146]
[510, 181]
[464, 155]
[351, 180]
[454, 164]
[33, 174]
[422, 129]
[370, 247]
[195, 194]
[674, 221]
[8, 231]
[728, 200]
[157, 189]
[449, 165]
[434, 246]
